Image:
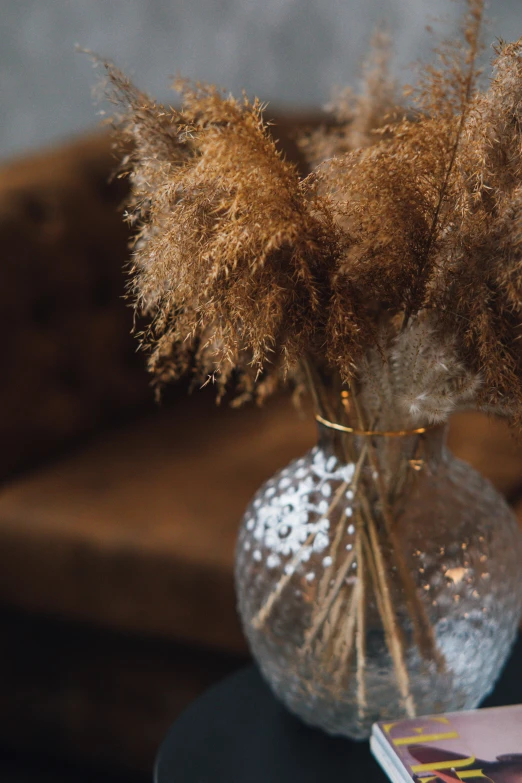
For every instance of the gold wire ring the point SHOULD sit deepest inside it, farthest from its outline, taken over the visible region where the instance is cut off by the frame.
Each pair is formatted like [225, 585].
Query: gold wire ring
[390, 434]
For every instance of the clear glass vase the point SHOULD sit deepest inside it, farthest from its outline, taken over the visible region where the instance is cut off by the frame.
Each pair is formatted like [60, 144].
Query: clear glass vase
[378, 577]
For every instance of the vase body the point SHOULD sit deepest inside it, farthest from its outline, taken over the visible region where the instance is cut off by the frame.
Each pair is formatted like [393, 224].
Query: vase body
[378, 577]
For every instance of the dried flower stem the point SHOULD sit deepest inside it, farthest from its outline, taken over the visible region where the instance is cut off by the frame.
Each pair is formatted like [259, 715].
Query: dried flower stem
[324, 609]
[385, 606]
[347, 638]
[360, 636]
[264, 613]
[353, 486]
[316, 388]
[329, 571]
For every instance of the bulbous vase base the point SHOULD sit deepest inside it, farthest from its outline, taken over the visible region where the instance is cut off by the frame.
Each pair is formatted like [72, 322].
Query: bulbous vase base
[346, 632]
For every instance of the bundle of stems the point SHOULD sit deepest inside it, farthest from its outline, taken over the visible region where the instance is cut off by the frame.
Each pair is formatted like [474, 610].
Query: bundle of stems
[336, 635]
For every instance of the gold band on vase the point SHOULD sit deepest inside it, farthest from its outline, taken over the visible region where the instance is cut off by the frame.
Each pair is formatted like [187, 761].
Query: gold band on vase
[369, 433]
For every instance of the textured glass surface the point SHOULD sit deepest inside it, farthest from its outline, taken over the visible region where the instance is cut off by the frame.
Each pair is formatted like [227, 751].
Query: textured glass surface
[378, 577]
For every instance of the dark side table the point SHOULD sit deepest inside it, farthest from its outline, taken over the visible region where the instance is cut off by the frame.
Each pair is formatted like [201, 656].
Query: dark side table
[238, 732]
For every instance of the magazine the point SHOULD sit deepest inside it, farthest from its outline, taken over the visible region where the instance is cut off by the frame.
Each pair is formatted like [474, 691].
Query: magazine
[458, 746]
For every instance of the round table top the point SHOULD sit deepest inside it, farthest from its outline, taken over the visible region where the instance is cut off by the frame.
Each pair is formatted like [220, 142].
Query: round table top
[237, 732]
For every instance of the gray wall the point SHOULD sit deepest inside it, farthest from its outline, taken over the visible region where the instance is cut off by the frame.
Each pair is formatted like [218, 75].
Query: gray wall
[289, 52]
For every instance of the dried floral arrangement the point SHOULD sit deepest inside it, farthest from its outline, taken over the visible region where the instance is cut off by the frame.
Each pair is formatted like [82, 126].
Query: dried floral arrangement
[394, 264]
[388, 281]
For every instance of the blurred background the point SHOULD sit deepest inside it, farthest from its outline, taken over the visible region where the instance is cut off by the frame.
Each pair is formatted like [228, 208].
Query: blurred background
[288, 52]
[118, 516]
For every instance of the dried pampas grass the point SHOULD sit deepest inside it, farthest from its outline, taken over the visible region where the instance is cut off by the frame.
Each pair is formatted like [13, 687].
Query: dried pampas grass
[398, 258]
[232, 251]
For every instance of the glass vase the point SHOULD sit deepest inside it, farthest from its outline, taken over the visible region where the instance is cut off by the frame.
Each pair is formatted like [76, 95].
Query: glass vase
[377, 577]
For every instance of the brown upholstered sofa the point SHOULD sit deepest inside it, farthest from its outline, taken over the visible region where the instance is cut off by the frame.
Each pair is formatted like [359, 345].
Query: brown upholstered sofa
[118, 517]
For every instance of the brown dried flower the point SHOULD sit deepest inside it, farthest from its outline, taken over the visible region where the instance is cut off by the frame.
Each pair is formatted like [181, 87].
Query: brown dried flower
[233, 250]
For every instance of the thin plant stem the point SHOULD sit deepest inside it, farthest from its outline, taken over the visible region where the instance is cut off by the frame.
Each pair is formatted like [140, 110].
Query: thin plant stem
[325, 581]
[328, 573]
[332, 638]
[360, 636]
[316, 390]
[315, 629]
[262, 616]
[346, 639]
[391, 629]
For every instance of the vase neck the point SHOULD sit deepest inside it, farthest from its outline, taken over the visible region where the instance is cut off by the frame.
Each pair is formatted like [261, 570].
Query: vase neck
[420, 448]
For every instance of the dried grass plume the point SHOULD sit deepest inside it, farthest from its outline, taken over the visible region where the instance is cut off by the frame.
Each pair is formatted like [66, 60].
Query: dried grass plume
[397, 259]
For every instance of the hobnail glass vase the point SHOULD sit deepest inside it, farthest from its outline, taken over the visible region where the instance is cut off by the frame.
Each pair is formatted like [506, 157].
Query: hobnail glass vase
[377, 577]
